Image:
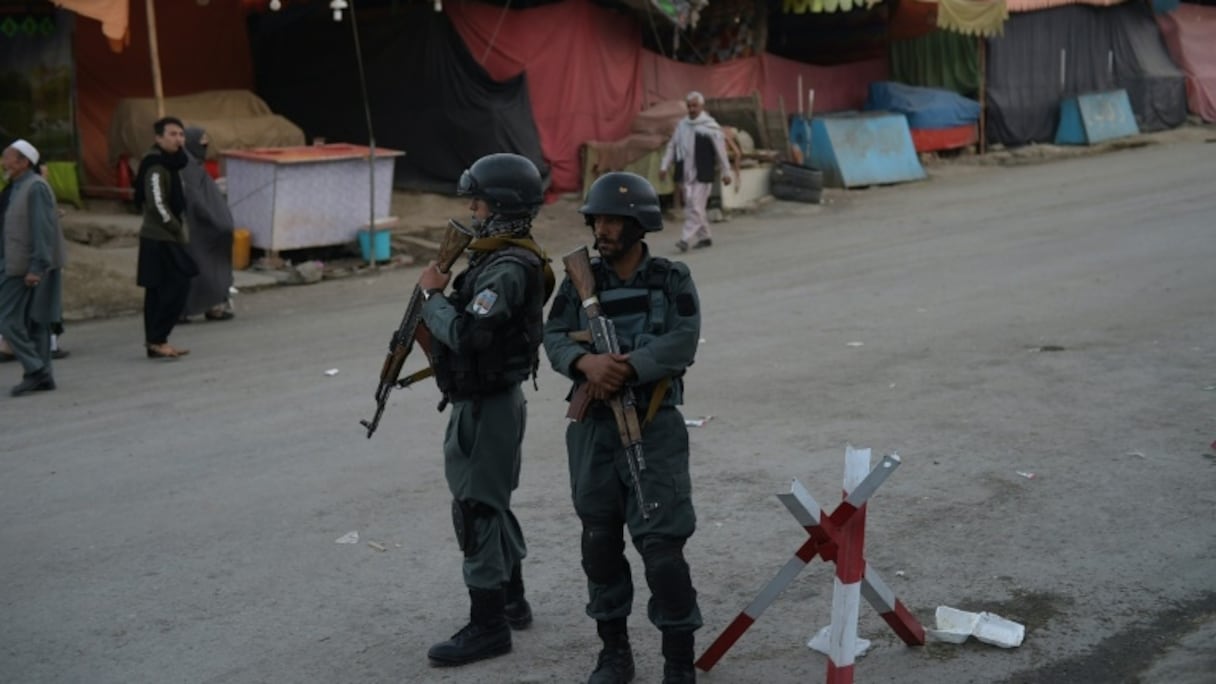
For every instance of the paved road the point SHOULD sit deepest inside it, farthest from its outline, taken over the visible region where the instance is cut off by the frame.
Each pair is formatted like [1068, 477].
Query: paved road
[176, 521]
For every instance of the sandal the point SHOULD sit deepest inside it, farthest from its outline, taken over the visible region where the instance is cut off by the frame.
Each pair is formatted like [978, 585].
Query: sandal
[219, 316]
[164, 351]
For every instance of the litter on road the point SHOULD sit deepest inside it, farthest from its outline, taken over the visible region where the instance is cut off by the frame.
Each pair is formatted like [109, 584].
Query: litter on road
[954, 626]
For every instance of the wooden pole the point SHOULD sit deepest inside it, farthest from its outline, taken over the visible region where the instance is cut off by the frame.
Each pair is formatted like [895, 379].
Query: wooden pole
[983, 50]
[157, 86]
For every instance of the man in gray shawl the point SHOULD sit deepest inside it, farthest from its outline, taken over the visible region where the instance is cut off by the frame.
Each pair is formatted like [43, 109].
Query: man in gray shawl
[211, 225]
[32, 252]
[698, 148]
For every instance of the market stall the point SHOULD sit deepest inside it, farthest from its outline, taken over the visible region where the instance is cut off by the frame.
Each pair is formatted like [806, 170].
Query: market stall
[296, 197]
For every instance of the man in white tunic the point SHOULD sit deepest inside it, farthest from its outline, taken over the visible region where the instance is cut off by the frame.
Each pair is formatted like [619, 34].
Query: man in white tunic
[697, 147]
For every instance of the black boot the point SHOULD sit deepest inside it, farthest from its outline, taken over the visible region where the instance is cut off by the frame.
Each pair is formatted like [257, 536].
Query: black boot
[677, 658]
[615, 664]
[486, 636]
[38, 380]
[518, 612]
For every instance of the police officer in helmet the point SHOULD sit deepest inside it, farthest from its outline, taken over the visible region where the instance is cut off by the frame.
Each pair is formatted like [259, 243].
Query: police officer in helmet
[654, 306]
[485, 338]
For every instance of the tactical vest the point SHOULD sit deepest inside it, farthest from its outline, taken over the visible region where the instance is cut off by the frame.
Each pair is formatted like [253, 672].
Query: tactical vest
[639, 314]
[512, 354]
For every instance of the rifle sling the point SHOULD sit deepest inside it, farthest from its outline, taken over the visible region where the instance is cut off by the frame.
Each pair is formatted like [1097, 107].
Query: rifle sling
[415, 377]
[656, 399]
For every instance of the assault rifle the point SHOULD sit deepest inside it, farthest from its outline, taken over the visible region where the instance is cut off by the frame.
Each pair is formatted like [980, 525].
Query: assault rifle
[604, 340]
[455, 240]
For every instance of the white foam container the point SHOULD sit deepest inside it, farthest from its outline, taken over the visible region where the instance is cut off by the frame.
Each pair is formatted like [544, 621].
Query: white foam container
[996, 630]
[953, 625]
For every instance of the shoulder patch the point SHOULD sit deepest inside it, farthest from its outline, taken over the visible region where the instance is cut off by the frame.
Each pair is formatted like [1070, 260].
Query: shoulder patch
[484, 301]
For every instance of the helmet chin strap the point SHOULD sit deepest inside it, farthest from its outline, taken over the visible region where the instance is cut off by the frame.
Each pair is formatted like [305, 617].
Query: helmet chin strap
[632, 235]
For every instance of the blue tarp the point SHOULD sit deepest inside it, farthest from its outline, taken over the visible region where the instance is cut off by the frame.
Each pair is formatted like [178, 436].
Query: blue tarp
[924, 107]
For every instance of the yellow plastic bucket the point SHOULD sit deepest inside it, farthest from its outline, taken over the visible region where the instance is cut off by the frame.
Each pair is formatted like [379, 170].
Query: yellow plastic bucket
[240, 249]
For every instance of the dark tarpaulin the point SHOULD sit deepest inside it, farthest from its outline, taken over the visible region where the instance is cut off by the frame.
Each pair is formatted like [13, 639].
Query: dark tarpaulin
[428, 96]
[1103, 48]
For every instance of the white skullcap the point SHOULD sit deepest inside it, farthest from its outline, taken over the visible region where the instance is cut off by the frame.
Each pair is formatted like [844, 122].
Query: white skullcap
[694, 96]
[27, 150]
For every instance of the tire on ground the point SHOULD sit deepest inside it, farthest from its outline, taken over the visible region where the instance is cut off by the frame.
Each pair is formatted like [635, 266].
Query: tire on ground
[801, 176]
[795, 193]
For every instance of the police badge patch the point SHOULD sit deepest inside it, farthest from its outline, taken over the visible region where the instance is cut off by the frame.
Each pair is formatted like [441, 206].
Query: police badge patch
[484, 301]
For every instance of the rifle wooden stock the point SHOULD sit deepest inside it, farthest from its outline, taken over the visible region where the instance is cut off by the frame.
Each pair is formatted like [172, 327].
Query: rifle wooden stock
[455, 241]
[578, 268]
[580, 403]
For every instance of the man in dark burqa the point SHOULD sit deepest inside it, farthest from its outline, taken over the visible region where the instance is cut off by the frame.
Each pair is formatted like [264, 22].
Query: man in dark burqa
[165, 266]
[211, 225]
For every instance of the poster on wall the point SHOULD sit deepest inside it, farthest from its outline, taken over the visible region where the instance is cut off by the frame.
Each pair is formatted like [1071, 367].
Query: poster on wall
[36, 82]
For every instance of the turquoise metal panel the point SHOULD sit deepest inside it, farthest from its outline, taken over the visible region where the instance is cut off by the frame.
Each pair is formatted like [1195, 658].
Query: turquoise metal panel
[864, 148]
[1071, 130]
[1096, 117]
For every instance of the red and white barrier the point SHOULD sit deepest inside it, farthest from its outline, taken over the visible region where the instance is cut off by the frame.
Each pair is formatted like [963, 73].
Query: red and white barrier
[838, 538]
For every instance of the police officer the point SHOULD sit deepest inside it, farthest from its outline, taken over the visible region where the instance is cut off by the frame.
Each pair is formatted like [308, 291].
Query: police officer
[653, 304]
[485, 339]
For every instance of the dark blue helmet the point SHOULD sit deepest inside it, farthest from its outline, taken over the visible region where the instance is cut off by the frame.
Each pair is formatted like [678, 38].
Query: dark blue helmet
[509, 183]
[621, 193]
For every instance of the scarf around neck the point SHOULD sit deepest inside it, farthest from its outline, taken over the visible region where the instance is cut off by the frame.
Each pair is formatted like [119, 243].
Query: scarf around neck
[688, 129]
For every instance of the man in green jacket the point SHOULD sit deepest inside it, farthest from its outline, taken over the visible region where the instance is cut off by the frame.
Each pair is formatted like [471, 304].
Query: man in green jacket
[165, 266]
[654, 306]
[32, 253]
[486, 336]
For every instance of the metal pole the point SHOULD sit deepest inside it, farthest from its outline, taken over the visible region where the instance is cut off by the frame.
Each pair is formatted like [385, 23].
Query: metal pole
[983, 49]
[1063, 63]
[371, 141]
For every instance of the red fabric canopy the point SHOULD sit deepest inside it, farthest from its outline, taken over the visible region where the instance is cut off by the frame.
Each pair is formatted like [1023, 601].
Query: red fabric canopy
[582, 71]
[589, 76]
[775, 78]
[1190, 35]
